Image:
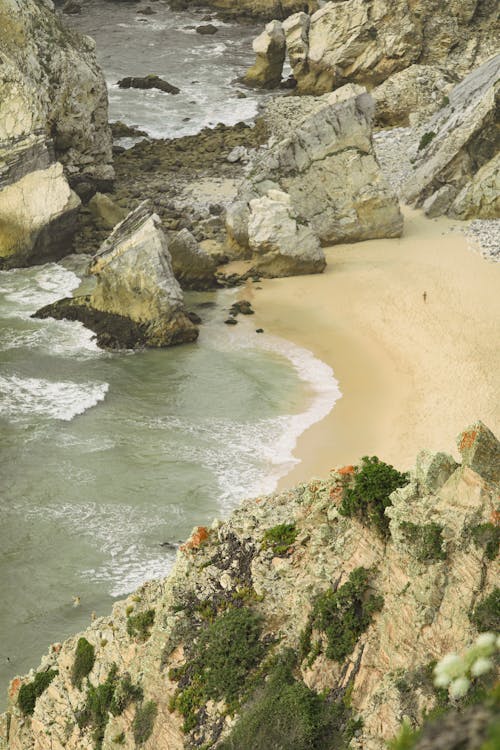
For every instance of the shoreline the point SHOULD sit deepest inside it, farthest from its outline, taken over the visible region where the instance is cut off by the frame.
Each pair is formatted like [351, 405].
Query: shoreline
[411, 372]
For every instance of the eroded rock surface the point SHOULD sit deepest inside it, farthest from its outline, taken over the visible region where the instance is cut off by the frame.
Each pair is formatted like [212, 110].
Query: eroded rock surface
[270, 50]
[424, 609]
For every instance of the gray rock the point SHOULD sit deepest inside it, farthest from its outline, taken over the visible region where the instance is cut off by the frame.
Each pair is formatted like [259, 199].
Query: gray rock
[270, 50]
[105, 211]
[439, 202]
[433, 470]
[480, 450]
[193, 267]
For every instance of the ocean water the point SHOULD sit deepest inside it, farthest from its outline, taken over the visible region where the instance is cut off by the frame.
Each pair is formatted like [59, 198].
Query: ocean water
[108, 460]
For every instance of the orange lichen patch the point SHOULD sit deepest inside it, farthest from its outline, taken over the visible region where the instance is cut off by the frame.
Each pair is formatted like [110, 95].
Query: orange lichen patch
[197, 538]
[495, 517]
[14, 687]
[346, 470]
[467, 440]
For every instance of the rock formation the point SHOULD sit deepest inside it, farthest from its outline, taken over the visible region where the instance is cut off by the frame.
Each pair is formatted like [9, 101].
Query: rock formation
[277, 585]
[53, 112]
[270, 50]
[193, 267]
[457, 167]
[136, 300]
[327, 167]
[266, 9]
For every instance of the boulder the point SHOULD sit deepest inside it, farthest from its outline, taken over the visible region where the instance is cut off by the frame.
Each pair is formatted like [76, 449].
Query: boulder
[137, 300]
[296, 30]
[265, 9]
[280, 245]
[37, 206]
[432, 470]
[270, 50]
[105, 212]
[328, 168]
[480, 451]
[207, 29]
[193, 267]
[458, 151]
[50, 83]
[411, 96]
[366, 41]
[150, 81]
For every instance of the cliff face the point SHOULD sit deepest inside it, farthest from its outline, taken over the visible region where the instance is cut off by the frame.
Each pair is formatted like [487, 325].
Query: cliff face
[362, 614]
[265, 9]
[53, 112]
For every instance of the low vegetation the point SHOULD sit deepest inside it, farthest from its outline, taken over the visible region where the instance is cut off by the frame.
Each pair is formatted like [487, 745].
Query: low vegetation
[143, 723]
[426, 139]
[340, 617]
[29, 692]
[139, 625]
[367, 496]
[426, 540]
[487, 535]
[84, 661]
[221, 660]
[486, 615]
[280, 538]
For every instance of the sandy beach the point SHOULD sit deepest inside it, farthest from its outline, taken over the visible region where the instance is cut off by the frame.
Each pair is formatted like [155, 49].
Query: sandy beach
[414, 370]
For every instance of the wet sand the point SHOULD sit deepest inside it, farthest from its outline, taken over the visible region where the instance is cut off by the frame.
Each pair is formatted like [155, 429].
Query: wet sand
[413, 370]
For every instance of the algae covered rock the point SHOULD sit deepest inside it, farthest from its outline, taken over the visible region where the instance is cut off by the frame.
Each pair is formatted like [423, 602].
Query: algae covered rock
[137, 300]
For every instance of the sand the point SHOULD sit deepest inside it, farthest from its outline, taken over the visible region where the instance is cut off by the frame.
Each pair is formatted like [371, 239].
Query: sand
[413, 372]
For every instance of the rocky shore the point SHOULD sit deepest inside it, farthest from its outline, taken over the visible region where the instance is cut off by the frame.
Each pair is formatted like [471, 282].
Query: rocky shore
[338, 588]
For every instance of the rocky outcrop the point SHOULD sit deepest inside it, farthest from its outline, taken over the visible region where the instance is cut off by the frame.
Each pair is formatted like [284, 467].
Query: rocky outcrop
[37, 206]
[411, 96]
[266, 9]
[54, 134]
[193, 267]
[327, 167]
[136, 300]
[50, 84]
[256, 587]
[458, 154]
[368, 41]
[270, 50]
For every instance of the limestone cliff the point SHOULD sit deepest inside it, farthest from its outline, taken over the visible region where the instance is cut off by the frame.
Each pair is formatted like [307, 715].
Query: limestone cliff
[53, 112]
[297, 594]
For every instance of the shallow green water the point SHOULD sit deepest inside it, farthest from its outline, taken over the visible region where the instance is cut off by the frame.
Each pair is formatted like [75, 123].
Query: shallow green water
[105, 457]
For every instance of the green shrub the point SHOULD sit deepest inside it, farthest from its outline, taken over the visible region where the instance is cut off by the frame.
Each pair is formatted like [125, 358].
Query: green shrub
[140, 625]
[29, 692]
[486, 615]
[487, 535]
[406, 739]
[84, 661]
[222, 659]
[427, 540]
[280, 538]
[426, 139]
[125, 693]
[342, 616]
[284, 714]
[143, 723]
[368, 496]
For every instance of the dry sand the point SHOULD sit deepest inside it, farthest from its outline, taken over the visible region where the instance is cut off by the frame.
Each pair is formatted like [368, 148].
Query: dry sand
[413, 373]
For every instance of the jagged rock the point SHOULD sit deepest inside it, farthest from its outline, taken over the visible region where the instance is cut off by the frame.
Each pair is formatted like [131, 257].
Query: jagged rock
[37, 206]
[208, 28]
[280, 245]
[148, 82]
[136, 300]
[437, 203]
[411, 96]
[72, 7]
[461, 139]
[105, 212]
[296, 30]
[327, 167]
[265, 9]
[367, 41]
[480, 450]
[434, 469]
[270, 50]
[425, 614]
[50, 83]
[481, 196]
[193, 267]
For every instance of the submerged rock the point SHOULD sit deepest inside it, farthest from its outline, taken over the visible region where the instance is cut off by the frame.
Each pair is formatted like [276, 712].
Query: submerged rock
[148, 82]
[458, 154]
[136, 301]
[270, 50]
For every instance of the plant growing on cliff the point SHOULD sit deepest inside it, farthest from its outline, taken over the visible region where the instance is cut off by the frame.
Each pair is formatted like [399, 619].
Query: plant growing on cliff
[458, 672]
[367, 496]
[284, 713]
[139, 625]
[426, 540]
[487, 535]
[84, 661]
[426, 139]
[342, 616]
[486, 615]
[222, 658]
[29, 692]
[280, 538]
[143, 723]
